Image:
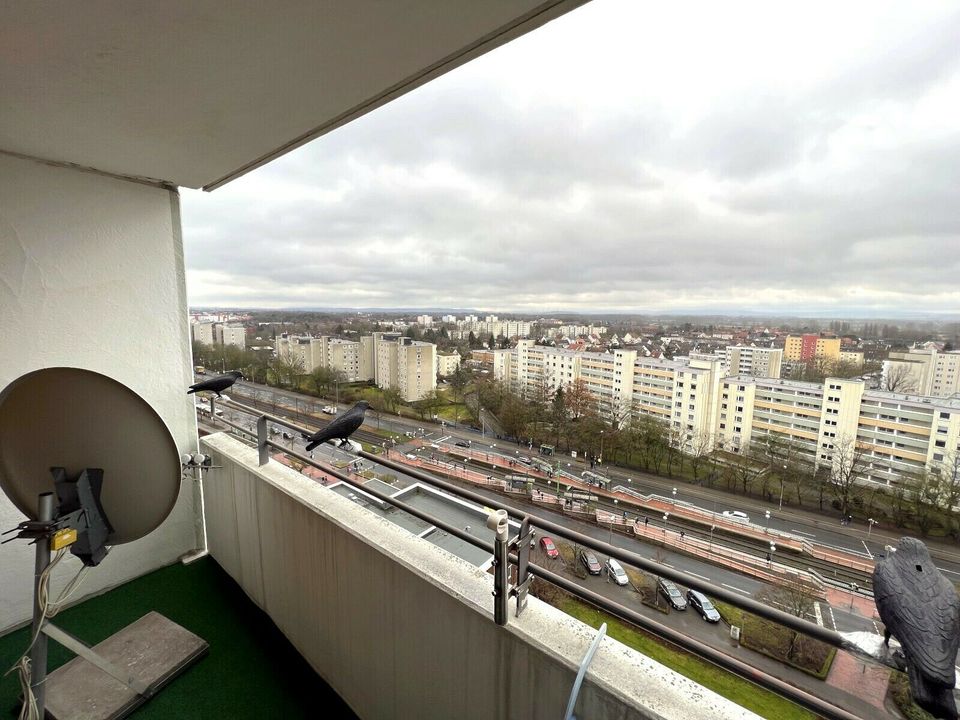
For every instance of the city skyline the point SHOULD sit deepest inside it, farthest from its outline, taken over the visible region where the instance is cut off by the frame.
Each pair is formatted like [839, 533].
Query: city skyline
[625, 159]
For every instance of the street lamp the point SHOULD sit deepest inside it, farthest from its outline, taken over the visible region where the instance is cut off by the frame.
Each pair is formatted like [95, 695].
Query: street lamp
[781, 486]
[773, 549]
[870, 523]
[766, 525]
[674, 497]
[600, 459]
[666, 516]
[610, 540]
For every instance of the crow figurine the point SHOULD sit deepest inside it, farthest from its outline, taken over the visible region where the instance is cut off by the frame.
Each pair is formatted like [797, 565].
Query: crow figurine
[920, 607]
[217, 384]
[341, 428]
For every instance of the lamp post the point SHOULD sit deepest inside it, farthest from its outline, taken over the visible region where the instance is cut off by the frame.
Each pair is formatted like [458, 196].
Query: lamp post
[870, 523]
[666, 516]
[610, 540]
[600, 459]
[781, 486]
[773, 549]
[674, 497]
[766, 525]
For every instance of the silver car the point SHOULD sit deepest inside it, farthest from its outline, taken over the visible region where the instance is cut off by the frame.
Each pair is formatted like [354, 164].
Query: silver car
[616, 573]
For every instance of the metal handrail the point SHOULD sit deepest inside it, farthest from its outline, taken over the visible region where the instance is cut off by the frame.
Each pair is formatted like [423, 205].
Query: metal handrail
[744, 603]
[721, 659]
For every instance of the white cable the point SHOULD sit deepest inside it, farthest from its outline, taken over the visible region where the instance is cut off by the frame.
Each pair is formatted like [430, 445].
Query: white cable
[29, 710]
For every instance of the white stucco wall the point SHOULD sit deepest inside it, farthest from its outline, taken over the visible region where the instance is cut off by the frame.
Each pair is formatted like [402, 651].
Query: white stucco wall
[92, 276]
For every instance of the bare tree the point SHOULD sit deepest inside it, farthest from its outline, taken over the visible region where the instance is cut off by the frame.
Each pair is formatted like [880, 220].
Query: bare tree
[848, 466]
[949, 475]
[580, 401]
[700, 448]
[899, 378]
[793, 596]
[744, 468]
[925, 498]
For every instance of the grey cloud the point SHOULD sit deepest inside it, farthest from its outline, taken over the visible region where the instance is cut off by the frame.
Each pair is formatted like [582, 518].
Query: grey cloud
[452, 196]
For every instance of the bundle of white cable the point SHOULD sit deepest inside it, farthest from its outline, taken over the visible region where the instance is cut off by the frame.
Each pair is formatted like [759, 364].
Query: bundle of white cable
[29, 711]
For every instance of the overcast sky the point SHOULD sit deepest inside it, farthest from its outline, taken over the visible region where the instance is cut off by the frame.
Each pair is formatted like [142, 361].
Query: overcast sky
[630, 156]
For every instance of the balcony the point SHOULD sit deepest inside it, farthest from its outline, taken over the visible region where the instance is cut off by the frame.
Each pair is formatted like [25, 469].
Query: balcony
[252, 670]
[406, 611]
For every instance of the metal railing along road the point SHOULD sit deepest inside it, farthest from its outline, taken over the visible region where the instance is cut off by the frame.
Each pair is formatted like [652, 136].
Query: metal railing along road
[727, 662]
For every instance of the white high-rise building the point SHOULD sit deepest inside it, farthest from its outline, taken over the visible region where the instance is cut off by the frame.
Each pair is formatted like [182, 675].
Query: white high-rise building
[235, 335]
[314, 352]
[748, 360]
[924, 371]
[883, 437]
[203, 332]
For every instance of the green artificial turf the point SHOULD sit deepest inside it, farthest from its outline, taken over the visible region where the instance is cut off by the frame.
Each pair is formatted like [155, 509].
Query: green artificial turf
[251, 670]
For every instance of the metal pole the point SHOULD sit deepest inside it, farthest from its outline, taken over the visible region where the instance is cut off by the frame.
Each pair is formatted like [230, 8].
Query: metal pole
[262, 440]
[498, 522]
[38, 653]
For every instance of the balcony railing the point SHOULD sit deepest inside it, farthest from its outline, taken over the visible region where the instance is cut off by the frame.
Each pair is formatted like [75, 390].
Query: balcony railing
[841, 641]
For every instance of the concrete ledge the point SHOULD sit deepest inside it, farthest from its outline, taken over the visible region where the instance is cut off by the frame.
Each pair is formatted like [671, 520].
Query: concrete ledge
[402, 628]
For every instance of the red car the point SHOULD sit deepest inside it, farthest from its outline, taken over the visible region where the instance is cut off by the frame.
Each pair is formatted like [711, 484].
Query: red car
[548, 547]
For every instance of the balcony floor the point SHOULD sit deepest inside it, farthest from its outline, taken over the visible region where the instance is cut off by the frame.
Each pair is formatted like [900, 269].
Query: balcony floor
[251, 671]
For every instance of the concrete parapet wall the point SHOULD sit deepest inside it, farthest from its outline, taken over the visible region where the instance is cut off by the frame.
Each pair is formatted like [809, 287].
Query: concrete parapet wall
[403, 629]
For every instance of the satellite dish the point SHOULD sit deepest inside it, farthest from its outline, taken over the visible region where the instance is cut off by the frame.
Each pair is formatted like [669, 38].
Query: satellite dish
[78, 419]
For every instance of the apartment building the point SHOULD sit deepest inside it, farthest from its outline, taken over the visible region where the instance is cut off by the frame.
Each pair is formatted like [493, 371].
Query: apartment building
[924, 371]
[314, 352]
[575, 330]
[203, 332]
[881, 436]
[749, 360]
[495, 327]
[408, 365]
[811, 347]
[344, 355]
[447, 364]
[235, 335]
[681, 392]
[214, 333]
[854, 358]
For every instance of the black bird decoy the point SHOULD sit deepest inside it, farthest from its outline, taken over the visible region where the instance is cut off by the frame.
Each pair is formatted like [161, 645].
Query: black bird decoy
[341, 428]
[920, 607]
[217, 384]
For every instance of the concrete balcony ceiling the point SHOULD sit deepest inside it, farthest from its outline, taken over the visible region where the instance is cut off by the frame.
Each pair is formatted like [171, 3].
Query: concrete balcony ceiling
[196, 92]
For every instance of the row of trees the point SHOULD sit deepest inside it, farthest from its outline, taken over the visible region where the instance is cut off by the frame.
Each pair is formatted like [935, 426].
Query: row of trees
[776, 469]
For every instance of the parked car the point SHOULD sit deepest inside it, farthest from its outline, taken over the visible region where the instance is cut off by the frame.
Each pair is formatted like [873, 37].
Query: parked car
[549, 547]
[411, 456]
[616, 573]
[736, 515]
[330, 409]
[462, 443]
[590, 562]
[701, 603]
[672, 593]
[524, 459]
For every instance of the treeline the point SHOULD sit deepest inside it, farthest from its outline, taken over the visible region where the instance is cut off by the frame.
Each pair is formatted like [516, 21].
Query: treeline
[779, 471]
